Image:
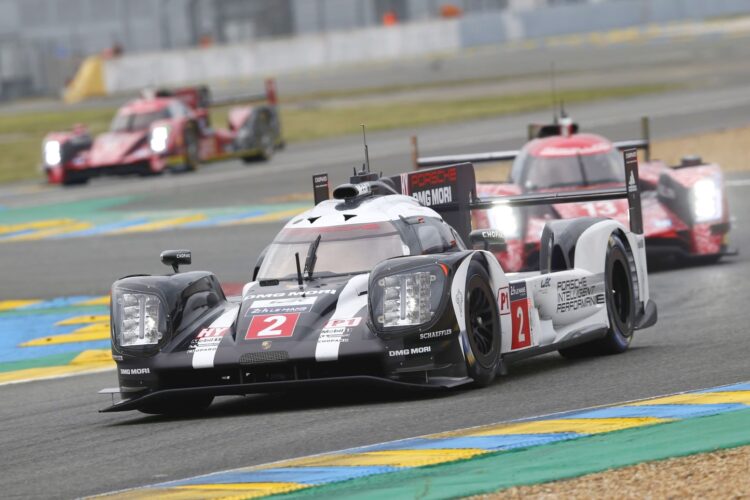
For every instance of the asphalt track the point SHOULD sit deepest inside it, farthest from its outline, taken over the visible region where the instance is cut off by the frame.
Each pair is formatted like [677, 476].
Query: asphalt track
[53, 443]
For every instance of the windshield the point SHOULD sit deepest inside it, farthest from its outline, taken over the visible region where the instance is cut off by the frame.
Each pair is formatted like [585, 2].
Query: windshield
[342, 250]
[129, 122]
[541, 172]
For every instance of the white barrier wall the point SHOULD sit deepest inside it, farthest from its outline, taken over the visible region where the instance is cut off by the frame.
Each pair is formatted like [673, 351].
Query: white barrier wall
[268, 58]
[134, 72]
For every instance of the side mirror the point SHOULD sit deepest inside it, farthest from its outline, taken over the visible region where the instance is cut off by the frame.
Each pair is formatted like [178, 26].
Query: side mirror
[175, 258]
[488, 239]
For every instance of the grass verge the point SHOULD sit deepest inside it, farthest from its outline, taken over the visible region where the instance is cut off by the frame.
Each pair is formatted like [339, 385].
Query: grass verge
[21, 134]
[307, 124]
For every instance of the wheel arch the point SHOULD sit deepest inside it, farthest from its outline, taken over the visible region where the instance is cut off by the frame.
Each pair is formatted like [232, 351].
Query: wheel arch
[560, 241]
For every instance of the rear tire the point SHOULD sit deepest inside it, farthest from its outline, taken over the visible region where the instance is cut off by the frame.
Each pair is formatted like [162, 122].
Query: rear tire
[192, 149]
[266, 146]
[621, 301]
[178, 405]
[148, 171]
[266, 142]
[705, 260]
[483, 327]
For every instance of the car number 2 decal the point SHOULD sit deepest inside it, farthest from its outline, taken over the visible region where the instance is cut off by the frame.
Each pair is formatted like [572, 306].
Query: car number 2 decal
[271, 326]
[519, 310]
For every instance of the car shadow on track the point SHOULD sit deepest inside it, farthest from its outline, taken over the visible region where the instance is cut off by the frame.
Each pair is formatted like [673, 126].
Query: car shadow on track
[665, 264]
[287, 402]
[540, 368]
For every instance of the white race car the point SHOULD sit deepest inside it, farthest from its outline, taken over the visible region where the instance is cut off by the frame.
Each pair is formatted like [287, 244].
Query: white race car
[388, 294]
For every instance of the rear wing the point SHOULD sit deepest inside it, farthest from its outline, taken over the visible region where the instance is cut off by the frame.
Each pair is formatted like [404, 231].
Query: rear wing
[535, 131]
[269, 95]
[200, 96]
[451, 191]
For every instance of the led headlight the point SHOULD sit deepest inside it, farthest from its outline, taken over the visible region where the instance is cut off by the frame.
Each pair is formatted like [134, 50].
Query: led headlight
[52, 153]
[407, 299]
[159, 139]
[506, 220]
[138, 319]
[706, 199]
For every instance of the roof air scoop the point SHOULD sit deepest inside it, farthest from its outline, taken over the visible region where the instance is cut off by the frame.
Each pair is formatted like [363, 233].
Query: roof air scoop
[352, 191]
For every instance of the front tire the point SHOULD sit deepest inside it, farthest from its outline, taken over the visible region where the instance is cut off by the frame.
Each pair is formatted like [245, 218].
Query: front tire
[70, 178]
[178, 405]
[621, 301]
[482, 328]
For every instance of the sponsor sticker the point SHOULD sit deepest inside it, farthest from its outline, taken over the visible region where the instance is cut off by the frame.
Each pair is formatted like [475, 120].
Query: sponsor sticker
[271, 326]
[295, 293]
[284, 305]
[333, 336]
[410, 351]
[433, 177]
[579, 293]
[588, 150]
[135, 371]
[519, 310]
[503, 301]
[320, 187]
[435, 335]
[343, 323]
[434, 196]
[335, 332]
[204, 345]
[206, 342]
[517, 291]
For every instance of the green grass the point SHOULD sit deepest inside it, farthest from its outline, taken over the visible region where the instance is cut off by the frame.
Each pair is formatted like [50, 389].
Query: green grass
[21, 134]
[21, 137]
[317, 123]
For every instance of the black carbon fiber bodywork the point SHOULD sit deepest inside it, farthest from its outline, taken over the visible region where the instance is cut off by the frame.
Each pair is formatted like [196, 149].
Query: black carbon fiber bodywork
[426, 356]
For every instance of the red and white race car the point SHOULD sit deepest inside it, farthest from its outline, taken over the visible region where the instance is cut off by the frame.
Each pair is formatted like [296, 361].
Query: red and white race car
[685, 210]
[165, 129]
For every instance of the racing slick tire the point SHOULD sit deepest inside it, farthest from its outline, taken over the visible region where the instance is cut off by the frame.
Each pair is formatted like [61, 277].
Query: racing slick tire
[73, 178]
[482, 328]
[619, 284]
[266, 146]
[705, 260]
[149, 171]
[192, 149]
[178, 405]
[262, 129]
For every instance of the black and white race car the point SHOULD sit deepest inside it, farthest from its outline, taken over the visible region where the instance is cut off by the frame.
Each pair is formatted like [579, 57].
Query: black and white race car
[376, 286]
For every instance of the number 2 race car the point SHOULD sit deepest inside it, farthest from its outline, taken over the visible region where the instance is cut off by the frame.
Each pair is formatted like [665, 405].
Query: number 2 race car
[165, 129]
[376, 286]
[685, 209]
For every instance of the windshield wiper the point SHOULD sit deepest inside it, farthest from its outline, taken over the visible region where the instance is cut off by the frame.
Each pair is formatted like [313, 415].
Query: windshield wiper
[312, 257]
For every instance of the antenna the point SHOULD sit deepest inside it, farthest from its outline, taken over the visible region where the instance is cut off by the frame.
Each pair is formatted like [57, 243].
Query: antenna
[367, 154]
[554, 91]
[299, 271]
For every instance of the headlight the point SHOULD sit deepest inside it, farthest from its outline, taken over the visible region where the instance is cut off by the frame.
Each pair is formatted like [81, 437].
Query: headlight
[139, 319]
[159, 139]
[706, 198]
[506, 220]
[407, 299]
[52, 154]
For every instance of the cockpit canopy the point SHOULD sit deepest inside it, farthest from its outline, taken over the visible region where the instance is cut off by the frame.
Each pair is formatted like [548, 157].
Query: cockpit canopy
[579, 161]
[355, 248]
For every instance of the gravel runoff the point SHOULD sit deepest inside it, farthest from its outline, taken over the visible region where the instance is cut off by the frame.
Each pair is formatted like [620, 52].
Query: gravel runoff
[719, 474]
